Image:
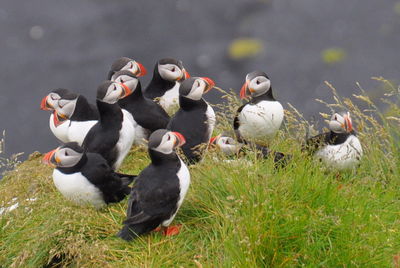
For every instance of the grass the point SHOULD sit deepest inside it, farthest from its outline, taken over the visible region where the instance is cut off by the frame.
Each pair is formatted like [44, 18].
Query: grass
[241, 213]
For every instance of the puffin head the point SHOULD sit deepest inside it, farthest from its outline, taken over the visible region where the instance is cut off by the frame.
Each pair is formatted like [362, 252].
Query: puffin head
[126, 79]
[124, 63]
[165, 141]
[226, 144]
[67, 155]
[65, 108]
[50, 102]
[171, 70]
[257, 83]
[194, 87]
[111, 92]
[341, 123]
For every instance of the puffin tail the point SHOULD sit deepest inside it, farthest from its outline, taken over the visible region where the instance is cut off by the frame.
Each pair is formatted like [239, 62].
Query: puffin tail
[126, 233]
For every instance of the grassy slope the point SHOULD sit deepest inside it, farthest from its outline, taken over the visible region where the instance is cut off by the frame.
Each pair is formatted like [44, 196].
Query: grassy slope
[237, 214]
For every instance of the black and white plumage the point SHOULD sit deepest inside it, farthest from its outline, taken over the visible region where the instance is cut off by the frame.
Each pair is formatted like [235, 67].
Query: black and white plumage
[195, 118]
[261, 117]
[159, 189]
[112, 136]
[127, 64]
[339, 148]
[147, 115]
[164, 86]
[86, 178]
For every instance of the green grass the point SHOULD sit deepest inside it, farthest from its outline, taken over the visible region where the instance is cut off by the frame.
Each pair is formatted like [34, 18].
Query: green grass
[241, 213]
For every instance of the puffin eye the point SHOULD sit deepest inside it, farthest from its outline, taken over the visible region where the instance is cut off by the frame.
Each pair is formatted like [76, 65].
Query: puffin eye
[115, 88]
[258, 82]
[335, 117]
[66, 153]
[121, 80]
[173, 69]
[169, 138]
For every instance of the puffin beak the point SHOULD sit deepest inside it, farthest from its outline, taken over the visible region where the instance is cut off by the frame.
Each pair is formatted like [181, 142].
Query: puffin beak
[56, 119]
[50, 159]
[181, 140]
[210, 84]
[142, 70]
[127, 91]
[214, 139]
[348, 124]
[44, 105]
[243, 90]
[186, 75]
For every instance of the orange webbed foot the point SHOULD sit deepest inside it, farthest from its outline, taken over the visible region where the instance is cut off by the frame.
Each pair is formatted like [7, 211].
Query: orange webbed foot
[172, 230]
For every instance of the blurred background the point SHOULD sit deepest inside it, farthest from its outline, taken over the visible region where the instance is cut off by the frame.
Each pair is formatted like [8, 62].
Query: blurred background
[46, 44]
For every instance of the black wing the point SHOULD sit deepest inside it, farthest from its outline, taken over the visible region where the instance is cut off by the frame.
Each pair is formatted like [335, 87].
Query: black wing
[236, 124]
[314, 143]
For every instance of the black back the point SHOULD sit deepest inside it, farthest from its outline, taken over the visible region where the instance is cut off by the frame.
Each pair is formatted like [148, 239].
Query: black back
[326, 138]
[146, 112]
[158, 86]
[95, 169]
[104, 135]
[191, 121]
[155, 196]
[84, 111]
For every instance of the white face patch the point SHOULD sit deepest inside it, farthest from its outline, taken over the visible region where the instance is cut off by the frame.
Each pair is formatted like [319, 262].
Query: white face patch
[337, 123]
[53, 99]
[114, 93]
[170, 72]
[66, 108]
[198, 88]
[131, 66]
[228, 145]
[129, 81]
[167, 144]
[67, 157]
[259, 85]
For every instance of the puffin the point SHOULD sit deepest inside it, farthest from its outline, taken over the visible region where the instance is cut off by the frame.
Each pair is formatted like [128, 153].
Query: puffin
[339, 148]
[86, 178]
[259, 119]
[147, 115]
[159, 189]
[125, 63]
[229, 146]
[112, 136]
[49, 103]
[164, 86]
[77, 115]
[195, 118]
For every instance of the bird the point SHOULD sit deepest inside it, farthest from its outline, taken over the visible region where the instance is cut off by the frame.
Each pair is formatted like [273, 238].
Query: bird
[159, 189]
[147, 115]
[227, 145]
[77, 115]
[112, 136]
[259, 119]
[164, 86]
[339, 148]
[86, 178]
[49, 103]
[195, 118]
[125, 63]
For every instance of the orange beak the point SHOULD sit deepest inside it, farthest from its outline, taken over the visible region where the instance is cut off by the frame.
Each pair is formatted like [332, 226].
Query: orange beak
[348, 124]
[214, 139]
[127, 90]
[186, 75]
[142, 70]
[56, 119]
[181, 139]
[44, 105]
[47, 159]
[243, 90]
[210, 83]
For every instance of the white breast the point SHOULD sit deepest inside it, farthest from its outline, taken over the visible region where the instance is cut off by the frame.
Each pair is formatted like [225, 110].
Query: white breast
[61, 132]
[126, 138]
[78, 130]
[342, 156]
[210, 120]
[260, 121]
[78, 189]
[141, 134]
[184, 182]
[170, 100]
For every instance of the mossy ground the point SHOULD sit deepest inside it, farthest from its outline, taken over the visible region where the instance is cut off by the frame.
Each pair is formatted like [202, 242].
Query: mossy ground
[238, 213]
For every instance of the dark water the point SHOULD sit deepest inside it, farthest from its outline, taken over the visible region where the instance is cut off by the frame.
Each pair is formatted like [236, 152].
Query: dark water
[47, 44]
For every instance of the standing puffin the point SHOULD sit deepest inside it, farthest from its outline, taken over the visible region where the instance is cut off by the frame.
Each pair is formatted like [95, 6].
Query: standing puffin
[159, 189]
[164, 85]
[112, 136]
[147, 115]
[339, 148]
[86, 178]
[77, 115]
[195, 119]
[124, 63]
[49, 103]
[261, 117]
